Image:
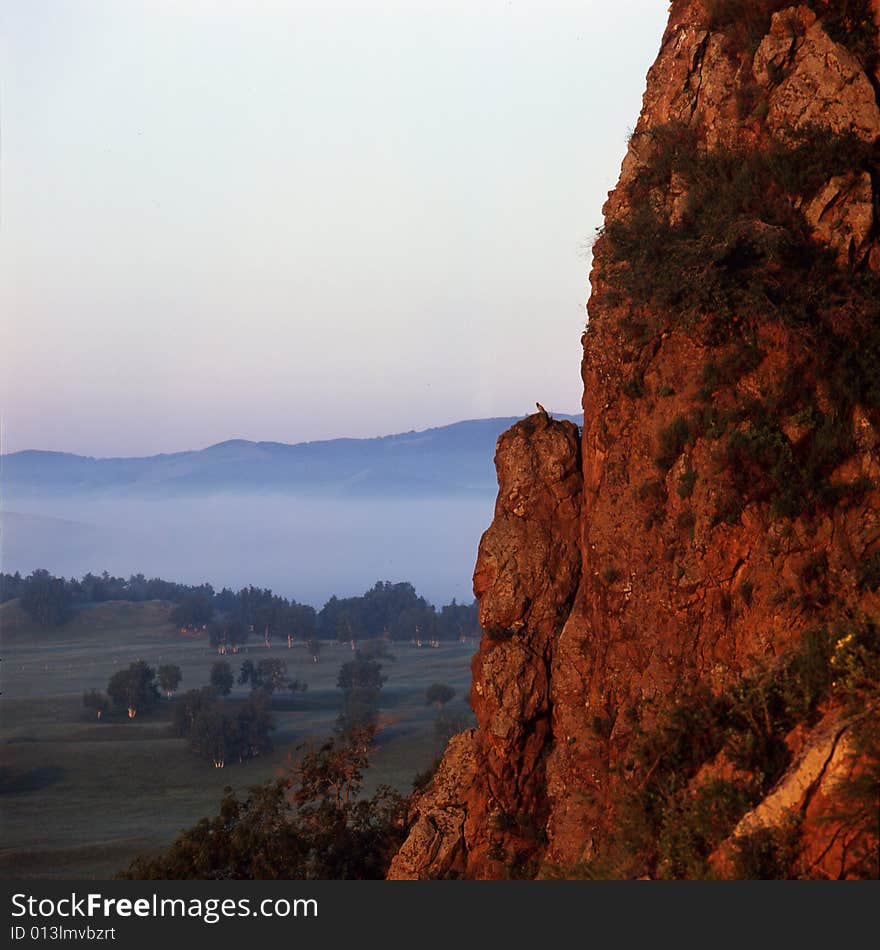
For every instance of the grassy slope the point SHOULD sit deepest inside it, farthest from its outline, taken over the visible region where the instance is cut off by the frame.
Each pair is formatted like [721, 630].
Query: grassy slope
[79, 798]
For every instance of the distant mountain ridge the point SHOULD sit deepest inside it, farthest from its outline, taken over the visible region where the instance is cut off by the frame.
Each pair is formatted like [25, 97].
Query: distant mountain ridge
[455, 459]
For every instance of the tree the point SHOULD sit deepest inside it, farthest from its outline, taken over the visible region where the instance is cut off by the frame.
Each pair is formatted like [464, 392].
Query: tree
[361, 680]
[227, 634]
[193, 611]
[11, 586]
[212, 735]
[456, 621]
[386, 609]
[222, 678]
[169, 678]
[45, 598]
[98, 702]
[268, 675]
[223, 732]
[271, 675]
[311, 824]
[253, 723]
[134, 689]
[300, 620]
[189, 706]
[439, 694]
[361, 673]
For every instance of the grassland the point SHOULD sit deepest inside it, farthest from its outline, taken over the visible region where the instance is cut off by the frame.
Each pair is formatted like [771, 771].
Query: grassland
[80, 798]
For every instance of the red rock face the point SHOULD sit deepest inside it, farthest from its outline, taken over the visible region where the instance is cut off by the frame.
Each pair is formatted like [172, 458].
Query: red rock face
[610, 584]
[485, 813]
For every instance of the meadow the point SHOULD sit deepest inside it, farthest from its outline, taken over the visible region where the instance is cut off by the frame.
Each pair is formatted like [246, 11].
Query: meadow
[79, 798]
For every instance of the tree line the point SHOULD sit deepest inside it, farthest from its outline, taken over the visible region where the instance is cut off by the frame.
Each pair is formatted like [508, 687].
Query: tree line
[388, 610]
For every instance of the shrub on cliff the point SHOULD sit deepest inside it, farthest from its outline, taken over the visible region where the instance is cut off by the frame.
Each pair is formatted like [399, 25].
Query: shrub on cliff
[738, 256]
[671, 821]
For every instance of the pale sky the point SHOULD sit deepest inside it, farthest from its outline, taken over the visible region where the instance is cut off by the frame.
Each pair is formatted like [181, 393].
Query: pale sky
[292, 220]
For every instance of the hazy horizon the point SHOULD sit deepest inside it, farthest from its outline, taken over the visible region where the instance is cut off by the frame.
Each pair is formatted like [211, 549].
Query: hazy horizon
[297, 220]
[327, 438]
[307, 522]
[307, 550]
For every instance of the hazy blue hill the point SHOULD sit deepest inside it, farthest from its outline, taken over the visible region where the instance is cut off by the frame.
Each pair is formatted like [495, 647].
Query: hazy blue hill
[307, 520]
[448, 460]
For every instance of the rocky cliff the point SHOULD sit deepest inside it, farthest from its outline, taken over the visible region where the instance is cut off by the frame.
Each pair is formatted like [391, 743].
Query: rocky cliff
[678, 675]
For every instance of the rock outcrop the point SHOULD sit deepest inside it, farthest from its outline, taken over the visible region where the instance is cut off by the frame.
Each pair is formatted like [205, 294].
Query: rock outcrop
[486, 807]
[722, 505]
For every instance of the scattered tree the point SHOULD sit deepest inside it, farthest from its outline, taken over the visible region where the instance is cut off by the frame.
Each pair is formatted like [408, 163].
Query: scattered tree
[134, 688]
[189, 706]
[222, 678]
[224, 732]
[267, 675]
[361, 681]
[169, 678]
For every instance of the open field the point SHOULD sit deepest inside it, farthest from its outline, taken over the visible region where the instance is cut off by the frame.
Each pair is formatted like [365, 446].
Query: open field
[79, 798]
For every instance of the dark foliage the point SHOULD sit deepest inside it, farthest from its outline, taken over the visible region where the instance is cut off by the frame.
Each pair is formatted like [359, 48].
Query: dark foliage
[169, 677]
[313, 824]
[361, 680]
[224, 732]
[45, 598]
[231, 617]
[742, 257]
[134, 688]
[668, 825]
[222, 677]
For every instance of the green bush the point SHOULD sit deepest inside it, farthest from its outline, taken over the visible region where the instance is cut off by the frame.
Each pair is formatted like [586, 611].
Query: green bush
[742, 256]
[696, 823]
[728, 510]
[666, 827]
[856, 664]
[686, 522]
[634, 388]
[868, 572]
[768, 854]
[729, 367]
[686, 482]
[672, 442]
